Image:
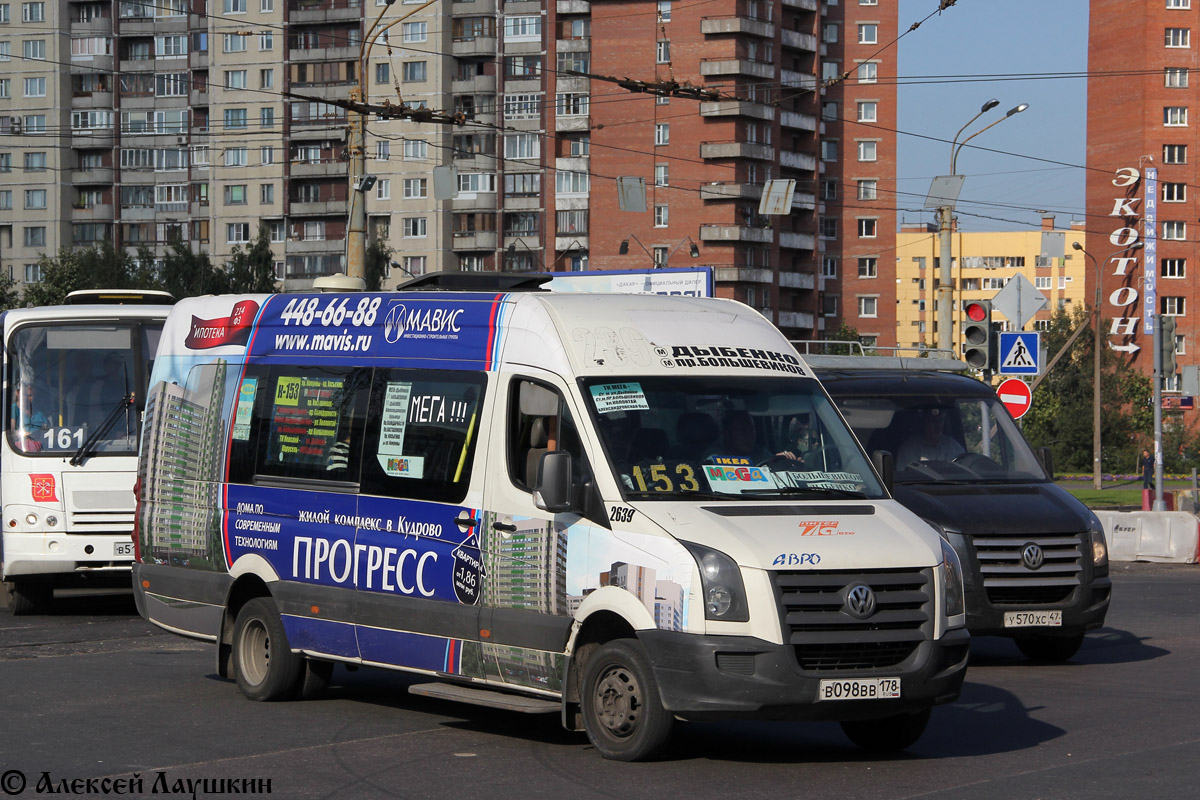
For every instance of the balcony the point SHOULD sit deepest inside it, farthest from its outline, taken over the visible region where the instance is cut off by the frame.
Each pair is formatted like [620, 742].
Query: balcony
[317, 169]
[479, 84]
[796, 319]
[574, 7]
[473, 8]
[89, 100]
[798, 80]
[799, 41]
[715, 26]
[712, 67]
[475, 46]
[798, 280]
[473, 240]
[565, 243]
[84, 177]
[798, 241]
[804, 5]
[474, 201]
[579, 122]
[735, 233]
[715, 150]
[730, 190]
[309, 55]
[799, 121]
[804, 201]
[794, 160]
[743, 275]
[102, 212]
[737, 108]
[100, 26]
[326, 208]
[92, 137]
[301, 12]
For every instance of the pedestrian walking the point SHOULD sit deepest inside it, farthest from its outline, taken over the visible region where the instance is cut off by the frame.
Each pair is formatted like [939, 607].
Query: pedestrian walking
[1147, 470]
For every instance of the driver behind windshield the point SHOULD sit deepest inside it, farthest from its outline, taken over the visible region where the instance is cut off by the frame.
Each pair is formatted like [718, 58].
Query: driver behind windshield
[930, 442]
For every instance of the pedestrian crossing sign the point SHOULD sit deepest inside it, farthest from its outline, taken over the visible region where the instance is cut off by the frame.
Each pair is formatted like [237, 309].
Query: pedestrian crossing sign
[1020, 353]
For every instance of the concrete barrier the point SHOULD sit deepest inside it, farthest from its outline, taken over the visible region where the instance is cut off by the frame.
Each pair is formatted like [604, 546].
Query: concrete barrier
[1166, 536]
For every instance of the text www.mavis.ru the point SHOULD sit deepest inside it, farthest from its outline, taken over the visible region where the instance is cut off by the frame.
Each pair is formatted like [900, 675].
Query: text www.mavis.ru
[340, 342]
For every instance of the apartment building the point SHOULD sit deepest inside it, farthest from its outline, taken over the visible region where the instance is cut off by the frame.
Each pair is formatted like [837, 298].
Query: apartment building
[172, 121]
[982, 264]
[1142, 173]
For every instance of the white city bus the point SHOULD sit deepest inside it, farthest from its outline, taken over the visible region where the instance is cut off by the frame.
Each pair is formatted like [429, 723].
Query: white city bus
[74, 387]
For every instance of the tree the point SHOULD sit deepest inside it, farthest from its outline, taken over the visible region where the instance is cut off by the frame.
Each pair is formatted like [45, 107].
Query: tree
[379, 256]
[188, 274]
[252, 271]
[100, 267]
[1061, 414]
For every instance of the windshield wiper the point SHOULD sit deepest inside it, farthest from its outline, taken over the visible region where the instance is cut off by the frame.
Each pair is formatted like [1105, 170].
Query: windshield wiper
[89, 444]
[806, 490]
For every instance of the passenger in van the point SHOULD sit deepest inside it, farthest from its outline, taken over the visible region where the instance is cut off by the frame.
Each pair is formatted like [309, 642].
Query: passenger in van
[739, 438]
[930, 443]
[801, 442]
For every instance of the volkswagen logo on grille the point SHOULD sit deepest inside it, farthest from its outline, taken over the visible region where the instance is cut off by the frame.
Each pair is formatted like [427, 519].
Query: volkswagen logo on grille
[860, 601]
[1032, 556]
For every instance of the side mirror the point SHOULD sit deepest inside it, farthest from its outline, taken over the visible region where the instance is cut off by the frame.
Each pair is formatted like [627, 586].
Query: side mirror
[1045, 457]
[885, 465]
[552, 489]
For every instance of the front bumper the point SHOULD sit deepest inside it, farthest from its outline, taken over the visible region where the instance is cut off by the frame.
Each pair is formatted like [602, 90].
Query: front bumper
[736, 677]
[58, 553]
[1082, 610]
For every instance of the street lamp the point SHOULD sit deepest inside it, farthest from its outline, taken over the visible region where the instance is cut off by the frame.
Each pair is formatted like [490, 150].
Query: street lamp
[1097, 477]
[356, 235]
[945, 296]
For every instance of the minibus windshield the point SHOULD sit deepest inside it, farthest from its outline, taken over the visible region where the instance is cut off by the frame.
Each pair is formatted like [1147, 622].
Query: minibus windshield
[944, 439]
[732, 437]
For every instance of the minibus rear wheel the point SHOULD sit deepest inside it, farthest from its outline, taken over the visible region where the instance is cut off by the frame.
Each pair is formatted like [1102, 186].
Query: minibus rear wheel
[28, 597]
[622, 710]
[265, 667]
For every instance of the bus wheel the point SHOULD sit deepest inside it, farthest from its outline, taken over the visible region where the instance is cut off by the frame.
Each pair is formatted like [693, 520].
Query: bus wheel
[887, 735]
[1050, 649]
[265, 667]
[622, 711]
[29, 597]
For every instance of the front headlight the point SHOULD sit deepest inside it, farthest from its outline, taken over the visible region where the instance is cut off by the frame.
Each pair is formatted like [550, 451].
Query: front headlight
[721, 583]
[1099, 543]
[953, 579]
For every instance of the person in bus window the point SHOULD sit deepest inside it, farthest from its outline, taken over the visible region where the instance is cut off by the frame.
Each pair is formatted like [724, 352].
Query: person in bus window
[930, 443]
[27, 418]
[739, 438]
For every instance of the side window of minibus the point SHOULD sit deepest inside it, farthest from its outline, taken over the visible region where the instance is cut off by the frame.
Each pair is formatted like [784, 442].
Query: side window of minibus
[307, 423]
[539, 423]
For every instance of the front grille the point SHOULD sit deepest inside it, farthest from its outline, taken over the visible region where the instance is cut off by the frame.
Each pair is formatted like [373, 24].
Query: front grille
[1009, 582]
[826, 638]
[100, 522]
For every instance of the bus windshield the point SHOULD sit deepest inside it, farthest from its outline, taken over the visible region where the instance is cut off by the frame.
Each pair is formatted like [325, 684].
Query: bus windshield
[735, 438]
[71, 384]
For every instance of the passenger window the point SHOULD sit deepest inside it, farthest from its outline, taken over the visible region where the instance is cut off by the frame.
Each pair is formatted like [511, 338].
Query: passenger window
[306, 424]
[421, 433]
[539, 423]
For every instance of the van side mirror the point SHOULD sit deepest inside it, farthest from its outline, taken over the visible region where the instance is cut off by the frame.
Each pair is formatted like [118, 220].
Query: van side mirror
[552, 489]
[885, 465]
[1045, 457]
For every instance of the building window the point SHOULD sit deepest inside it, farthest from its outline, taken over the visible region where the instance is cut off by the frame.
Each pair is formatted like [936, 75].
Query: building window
[662, 133]
[868, 267]
[868, 306]
[1176, 77]
[868, 189]
[828, 227]
[1179, 37]
[1171, 306]
[867, 151]
[383, 189]
[266, 194]
[35, 87]
[1043, 282]
[664, 10]
[235, 118]
[35, 236]
[235, 195]
[830, 33]
[868, 72]
[1176, 230]
[867, 228]
[1174, 192]
[1174, 267]
[414, 149]
[35, 198]
[829, 189]
[237, 232]
[414, 71]
[868, 33]
[661, 216]
[829, 150]
[34, 49]
[830, 70]
[829, 111]
[521, 146]
[829, 265]
[571, 182]
[35, 162]
[415, 188]
[414, 228]
[412, 32]
[867, 111]
[1174, 153]
[829, 305]
[522, 28]
[661, 174]
[571, 104]
[663, 53]
[1179, 3]
[5, 199]
[236, 157]
[383, 72]
[1175, 116]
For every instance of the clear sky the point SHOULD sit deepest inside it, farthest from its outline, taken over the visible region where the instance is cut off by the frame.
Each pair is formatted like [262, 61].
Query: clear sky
[942, 66]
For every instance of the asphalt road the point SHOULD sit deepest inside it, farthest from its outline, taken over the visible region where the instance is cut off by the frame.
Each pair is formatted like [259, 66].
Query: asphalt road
[93, 691]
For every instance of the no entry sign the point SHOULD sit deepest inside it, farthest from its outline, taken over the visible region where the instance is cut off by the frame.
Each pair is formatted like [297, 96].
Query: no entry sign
[1015, 395]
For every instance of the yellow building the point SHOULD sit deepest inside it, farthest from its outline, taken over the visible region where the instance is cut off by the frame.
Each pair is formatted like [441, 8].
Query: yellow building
[982, 264]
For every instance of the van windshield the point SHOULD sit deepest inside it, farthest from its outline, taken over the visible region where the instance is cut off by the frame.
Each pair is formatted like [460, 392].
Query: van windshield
[944, 439]
[676, 438]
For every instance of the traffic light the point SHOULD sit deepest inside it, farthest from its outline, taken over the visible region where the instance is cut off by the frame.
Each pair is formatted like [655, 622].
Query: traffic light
[1167, 343]
[977, 333]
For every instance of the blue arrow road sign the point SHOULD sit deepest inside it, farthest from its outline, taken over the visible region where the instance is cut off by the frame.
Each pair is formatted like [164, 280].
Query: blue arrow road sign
[1020, 353]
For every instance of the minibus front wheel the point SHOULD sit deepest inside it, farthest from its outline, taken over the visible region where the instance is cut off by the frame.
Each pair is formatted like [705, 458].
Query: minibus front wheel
[264, 665]
[622, 710]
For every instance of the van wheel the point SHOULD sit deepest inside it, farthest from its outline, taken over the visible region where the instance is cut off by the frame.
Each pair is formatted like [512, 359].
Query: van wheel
[1050, 649]
[266, 669]
[622, 711]
[887, 735]
[29, 597]
[315, 678]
